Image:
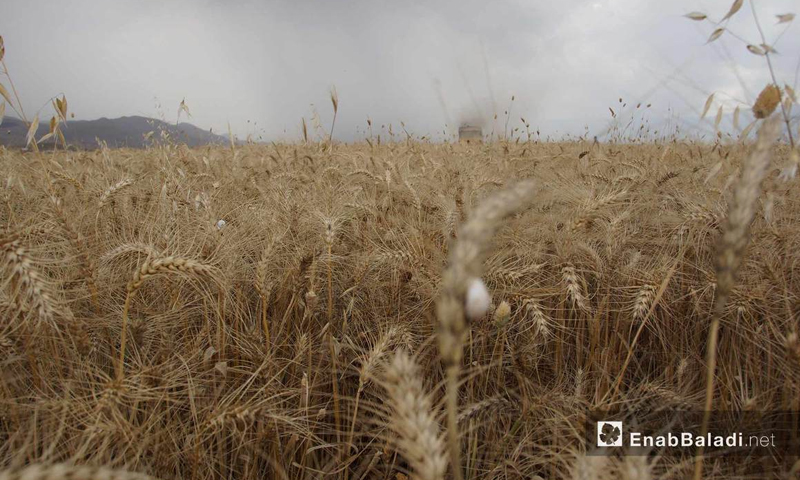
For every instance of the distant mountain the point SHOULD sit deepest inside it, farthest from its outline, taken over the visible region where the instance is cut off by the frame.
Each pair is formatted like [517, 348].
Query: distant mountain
[118, 132]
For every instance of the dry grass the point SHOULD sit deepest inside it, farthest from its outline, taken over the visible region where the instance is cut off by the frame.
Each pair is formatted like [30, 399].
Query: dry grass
[299, 338]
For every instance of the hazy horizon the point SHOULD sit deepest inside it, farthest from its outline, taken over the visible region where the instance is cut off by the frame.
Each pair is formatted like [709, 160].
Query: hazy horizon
[263, 66]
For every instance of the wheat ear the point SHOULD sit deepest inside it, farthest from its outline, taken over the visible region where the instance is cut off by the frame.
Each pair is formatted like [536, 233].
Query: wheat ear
[414, 422]
[109, 193]
[27, 277]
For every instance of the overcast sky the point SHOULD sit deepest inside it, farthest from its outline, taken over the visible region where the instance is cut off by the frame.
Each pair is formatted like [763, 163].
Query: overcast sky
[427, 63]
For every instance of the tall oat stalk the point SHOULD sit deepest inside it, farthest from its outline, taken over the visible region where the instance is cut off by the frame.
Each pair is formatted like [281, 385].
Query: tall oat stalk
[335, 102]
[21, 111]
[767, 52]
[763, 50]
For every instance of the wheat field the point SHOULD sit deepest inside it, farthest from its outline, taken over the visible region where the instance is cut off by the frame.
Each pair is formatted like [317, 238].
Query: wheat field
[296, 311]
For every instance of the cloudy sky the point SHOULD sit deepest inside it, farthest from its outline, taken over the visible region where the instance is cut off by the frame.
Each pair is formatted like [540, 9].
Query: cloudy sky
[262, 65]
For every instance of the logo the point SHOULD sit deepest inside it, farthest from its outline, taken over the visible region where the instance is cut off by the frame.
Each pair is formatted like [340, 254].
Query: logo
[609, 434]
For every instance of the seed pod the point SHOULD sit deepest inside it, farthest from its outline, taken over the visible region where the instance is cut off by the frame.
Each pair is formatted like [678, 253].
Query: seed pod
[767, 101]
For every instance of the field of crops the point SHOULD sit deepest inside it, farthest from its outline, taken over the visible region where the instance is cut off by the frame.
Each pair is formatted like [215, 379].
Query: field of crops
[317, 311]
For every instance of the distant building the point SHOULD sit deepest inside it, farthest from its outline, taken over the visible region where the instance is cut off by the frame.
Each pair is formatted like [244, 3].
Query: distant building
[470, 134]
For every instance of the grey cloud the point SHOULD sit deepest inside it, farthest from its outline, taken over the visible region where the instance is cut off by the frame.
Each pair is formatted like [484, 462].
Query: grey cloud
[425, 63]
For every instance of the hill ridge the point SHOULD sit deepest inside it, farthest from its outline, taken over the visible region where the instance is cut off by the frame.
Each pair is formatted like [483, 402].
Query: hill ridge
[125, 131]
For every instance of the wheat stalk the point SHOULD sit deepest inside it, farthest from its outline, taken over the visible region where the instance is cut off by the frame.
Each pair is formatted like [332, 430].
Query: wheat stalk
[330, 237]
[465, 265]
[110, 192]
[730, 252]
[264, 288]
[368, 365]
[150, 268]
[68, 179]
[77, 241]
[133, 247]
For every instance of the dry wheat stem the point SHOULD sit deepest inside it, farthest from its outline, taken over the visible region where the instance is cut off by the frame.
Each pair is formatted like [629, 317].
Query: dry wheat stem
[264, 289]
[730, 252]
[112, 190]
[78, 244]
[150, 268]
[368, 365]
[466, 264]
